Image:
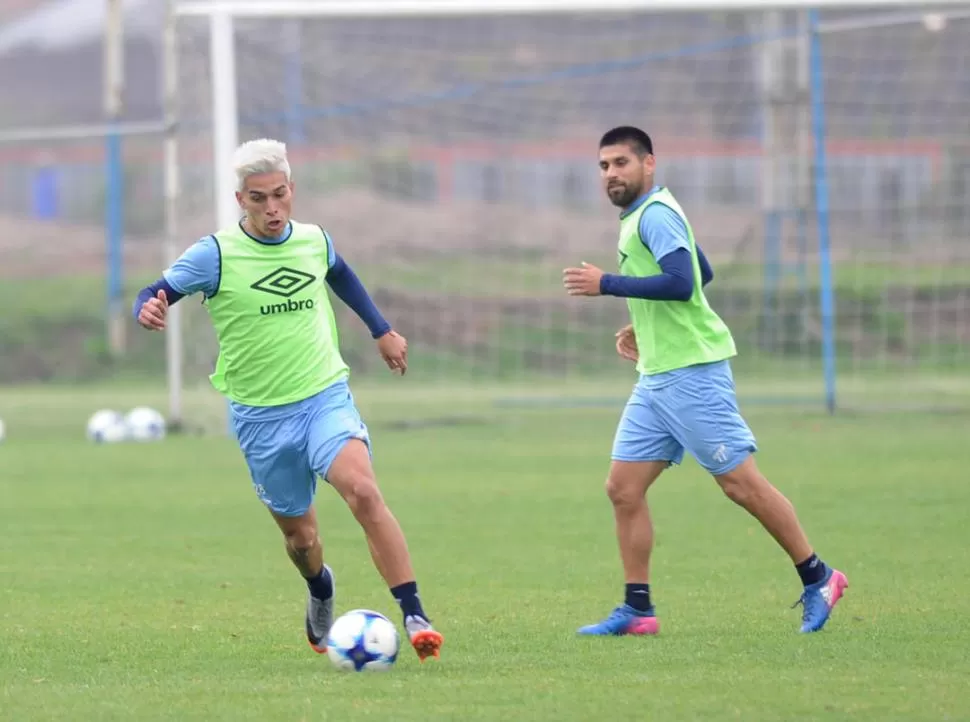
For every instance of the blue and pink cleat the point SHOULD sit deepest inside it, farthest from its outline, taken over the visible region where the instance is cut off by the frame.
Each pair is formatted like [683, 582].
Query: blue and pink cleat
[818, 600]
[624, 620]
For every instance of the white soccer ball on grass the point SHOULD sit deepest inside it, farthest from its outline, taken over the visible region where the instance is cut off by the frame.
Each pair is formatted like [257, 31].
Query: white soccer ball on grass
[3, 430]
[106, 426]
[145, 424]
[363, 641]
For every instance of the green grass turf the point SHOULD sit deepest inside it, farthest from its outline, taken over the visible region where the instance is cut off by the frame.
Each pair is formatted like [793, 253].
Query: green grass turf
[147, 583]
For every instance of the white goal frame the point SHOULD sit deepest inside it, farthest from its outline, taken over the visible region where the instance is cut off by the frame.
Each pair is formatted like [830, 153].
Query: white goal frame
[225, 122]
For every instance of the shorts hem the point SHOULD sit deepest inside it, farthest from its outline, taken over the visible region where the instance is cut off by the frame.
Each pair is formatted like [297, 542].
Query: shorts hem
[343, 441]
[735, 462]
[288, 511]
[636, 460]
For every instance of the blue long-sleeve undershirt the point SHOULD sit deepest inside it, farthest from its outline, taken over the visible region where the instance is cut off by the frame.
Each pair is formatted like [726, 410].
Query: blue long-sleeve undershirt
[676, 283]
[151, 291]
[351, 291]
[664, 232]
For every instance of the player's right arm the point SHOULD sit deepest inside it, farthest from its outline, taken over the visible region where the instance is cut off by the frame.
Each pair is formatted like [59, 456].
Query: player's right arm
[665, 235]
[195, 270]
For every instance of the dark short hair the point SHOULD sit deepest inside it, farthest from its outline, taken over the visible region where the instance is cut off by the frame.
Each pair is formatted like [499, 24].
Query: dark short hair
[634, 137]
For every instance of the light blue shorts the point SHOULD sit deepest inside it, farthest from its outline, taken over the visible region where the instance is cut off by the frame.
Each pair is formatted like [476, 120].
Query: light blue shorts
[287, 447]
[693, 409]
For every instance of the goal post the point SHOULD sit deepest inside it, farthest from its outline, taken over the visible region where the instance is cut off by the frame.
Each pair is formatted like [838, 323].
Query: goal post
[816, 84]
[449, 147]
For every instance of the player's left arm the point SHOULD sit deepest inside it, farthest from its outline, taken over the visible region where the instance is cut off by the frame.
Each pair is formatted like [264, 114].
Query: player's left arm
[349, 289]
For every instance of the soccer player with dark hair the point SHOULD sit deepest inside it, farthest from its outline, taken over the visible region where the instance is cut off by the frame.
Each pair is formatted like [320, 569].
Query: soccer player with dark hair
[685, 397]
[280, 366]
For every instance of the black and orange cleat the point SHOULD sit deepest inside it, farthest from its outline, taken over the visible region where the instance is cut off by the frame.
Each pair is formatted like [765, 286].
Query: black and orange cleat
[425, 640]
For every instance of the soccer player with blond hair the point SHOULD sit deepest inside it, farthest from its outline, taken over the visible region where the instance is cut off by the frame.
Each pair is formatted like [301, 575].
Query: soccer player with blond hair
[263, 281]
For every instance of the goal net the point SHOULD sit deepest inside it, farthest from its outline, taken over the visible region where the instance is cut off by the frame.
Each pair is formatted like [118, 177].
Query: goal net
[452, 157]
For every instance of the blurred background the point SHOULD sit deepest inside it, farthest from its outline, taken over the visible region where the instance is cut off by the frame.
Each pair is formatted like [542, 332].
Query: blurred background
[823, 159]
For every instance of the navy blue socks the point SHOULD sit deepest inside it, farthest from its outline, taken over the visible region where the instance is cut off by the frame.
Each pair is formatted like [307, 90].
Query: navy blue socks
[321, 586]
[812, 570]
[638, 597]
[407, 596]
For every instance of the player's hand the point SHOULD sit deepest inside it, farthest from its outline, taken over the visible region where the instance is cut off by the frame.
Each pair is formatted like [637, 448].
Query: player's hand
[153, 312]
[393, 348]
[583, 281]
[626, 344]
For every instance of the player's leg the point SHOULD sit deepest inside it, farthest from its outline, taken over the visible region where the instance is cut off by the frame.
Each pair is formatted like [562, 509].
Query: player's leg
[303, 546]
[703, 413]
[747, 487]
[642, 449]
[351, 474]
[340, 453]
[276, 454]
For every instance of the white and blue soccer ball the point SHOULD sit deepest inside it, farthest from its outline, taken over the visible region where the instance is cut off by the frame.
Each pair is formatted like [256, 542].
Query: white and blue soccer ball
[363, 641]
[107, 427]
[145, 424]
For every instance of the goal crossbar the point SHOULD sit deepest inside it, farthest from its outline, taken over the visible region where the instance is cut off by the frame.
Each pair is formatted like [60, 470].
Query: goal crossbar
[388, 8]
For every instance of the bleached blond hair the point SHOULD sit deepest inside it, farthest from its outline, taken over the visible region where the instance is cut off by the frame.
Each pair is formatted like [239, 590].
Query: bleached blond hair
[262, 155]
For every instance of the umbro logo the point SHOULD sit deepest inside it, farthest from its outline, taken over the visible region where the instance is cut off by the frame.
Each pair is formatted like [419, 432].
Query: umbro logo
[284, 282]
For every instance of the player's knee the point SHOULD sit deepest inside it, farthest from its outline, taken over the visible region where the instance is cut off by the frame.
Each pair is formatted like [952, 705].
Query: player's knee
[742, 484]
[364, 498]
[736, 490]
[301, 538]
[622, 494]
[627, 483]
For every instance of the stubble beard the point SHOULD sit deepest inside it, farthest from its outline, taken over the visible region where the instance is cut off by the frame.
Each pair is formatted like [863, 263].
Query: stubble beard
[624, 198]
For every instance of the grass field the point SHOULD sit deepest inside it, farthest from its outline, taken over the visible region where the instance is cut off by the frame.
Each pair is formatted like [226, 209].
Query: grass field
[147, 583]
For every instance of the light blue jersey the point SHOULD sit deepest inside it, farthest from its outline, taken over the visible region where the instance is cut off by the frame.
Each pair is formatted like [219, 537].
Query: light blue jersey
[662, 231]
[197, 271]
[286, 447]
